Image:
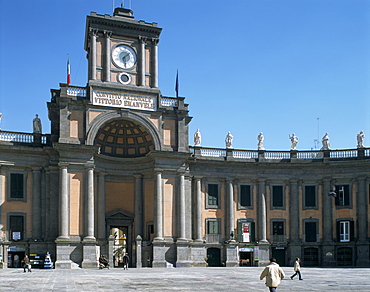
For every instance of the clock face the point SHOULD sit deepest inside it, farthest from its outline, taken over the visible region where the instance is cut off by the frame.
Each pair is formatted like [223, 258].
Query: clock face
[124, 57]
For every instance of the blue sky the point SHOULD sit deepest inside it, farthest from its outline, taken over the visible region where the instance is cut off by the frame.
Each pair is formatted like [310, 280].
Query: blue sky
[272, 66]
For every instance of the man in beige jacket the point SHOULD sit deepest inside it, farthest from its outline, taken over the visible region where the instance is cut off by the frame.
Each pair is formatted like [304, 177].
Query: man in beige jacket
[274, 274]
[297, 269]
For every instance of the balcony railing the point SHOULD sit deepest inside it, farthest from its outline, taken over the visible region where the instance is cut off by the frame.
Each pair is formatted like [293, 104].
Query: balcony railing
[168, 101]
[280, 155]
[18, 137]
[76, 91]
[213, 238]
[279, 238]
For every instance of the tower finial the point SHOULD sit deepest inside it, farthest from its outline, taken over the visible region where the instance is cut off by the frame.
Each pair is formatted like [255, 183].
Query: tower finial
[123, 4]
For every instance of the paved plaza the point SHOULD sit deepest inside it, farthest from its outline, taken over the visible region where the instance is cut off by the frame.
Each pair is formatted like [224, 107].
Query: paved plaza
[181, 279]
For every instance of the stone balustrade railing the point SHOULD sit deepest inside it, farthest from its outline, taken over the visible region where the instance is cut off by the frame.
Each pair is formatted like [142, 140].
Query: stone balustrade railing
[19, 137]
[280, 155]
[167, 101]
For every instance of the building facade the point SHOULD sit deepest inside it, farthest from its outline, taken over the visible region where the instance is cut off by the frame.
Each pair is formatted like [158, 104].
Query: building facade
[116, 175]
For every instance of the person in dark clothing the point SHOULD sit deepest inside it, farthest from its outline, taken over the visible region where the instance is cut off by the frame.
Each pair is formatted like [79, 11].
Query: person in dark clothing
[104, 262]
[126, 260]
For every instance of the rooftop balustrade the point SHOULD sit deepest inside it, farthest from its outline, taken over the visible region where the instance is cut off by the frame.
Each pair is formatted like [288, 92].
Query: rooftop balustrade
[271, 156]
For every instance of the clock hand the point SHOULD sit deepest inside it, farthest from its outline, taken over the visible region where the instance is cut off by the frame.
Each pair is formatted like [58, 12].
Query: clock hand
[124, 59]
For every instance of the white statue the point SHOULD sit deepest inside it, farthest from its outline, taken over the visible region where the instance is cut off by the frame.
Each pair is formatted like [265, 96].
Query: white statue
[260, 139]
[294, 139]
[325, 142]
[37, 128]
[360, 140]
[197, 138]
[229, 140]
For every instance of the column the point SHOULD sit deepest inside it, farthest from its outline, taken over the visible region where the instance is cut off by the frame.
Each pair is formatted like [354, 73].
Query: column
[362, 244]
[182, 207]
[89, 252]
[159, 245]
[139, 206]
[142, 41]
[36, 203]
[198, 209]
[107, 62]
[362, 209]
[63, 203]
[230, 207]
[262, 230]
[158, 208]
[90, 204]
[154, 62]
[294, 211]
[92, 54]
[263, 244]
[101, 206]
[63, 251]
[327, 210]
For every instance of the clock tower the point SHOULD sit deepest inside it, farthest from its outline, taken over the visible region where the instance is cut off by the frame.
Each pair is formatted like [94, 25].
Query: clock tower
[122, 51]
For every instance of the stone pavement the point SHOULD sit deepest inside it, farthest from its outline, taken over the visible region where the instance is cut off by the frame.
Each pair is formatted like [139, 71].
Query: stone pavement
[182, 279]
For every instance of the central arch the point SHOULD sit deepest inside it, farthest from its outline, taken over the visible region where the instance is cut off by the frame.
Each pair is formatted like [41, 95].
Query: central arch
[142, 133]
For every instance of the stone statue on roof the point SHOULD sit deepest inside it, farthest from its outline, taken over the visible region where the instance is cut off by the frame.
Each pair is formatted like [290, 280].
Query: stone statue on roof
[37, 127]
[360, 139]
[229, 140]
[197, 138]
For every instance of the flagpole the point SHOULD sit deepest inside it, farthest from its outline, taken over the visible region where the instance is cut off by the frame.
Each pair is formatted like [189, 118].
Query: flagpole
[68, 71]
[177, 84]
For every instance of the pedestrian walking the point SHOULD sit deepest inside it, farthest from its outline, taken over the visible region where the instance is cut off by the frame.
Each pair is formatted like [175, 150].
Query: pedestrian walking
[274, 274]
[126, 260]
[297, 269]
[26, 264]
[16, 261]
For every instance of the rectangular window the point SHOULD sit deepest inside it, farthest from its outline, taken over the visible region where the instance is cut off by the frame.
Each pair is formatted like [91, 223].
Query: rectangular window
[277, 196]
[245, 196]
[278, 232]
[16, 186]
[213, 195]
[16, 227]
[310, 196]
[344, 231]
[246, 230]
[213, 230]
[310, 229]
[213, 227]
[343, 195]
[278, 228]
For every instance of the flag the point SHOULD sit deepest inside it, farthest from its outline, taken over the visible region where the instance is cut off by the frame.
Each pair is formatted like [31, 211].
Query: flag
[177, 84]
[68, 72]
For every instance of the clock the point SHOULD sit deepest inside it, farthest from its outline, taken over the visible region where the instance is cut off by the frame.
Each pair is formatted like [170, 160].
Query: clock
[124, 57]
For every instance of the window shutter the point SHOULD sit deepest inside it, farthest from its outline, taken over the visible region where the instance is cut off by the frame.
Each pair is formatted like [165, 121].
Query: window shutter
[240, 233]
[253, 237]
[352, 230]
[338, 231]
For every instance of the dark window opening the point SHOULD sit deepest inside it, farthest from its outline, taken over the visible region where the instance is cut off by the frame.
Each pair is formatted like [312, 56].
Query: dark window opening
[310, 229]
[16, 185]
[277, 196]
[245, 196]
[310, 196]
[213, 194]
